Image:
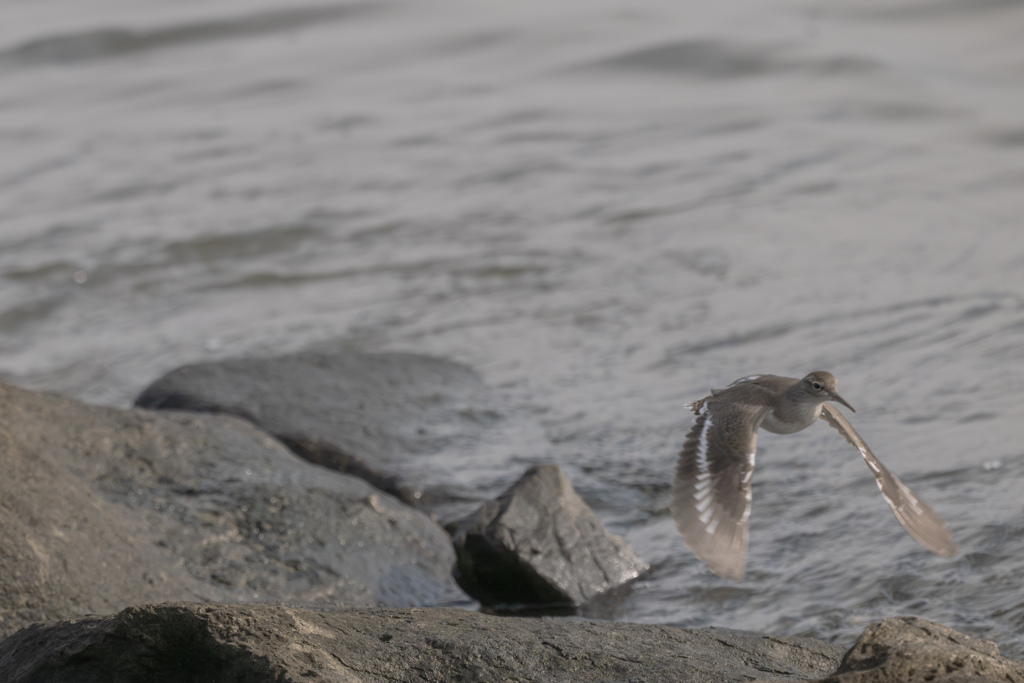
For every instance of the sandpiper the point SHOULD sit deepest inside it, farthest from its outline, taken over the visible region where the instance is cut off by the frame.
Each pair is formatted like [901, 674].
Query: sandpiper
[711, 494]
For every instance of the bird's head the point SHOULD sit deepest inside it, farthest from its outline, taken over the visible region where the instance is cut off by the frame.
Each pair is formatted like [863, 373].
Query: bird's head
[820, 386]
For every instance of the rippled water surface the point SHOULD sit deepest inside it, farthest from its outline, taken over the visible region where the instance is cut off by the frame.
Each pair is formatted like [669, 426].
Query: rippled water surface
[606, 208]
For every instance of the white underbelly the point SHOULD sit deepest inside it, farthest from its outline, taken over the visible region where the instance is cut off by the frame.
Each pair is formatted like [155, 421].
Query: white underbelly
[774, 425]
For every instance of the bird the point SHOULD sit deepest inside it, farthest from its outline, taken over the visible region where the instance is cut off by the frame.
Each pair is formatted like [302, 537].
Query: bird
[711, 494]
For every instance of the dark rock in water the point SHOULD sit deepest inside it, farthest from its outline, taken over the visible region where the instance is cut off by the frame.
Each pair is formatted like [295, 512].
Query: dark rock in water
[909, 650]
[407, 424]
[103, 508]
[539, 543]
[264, 643]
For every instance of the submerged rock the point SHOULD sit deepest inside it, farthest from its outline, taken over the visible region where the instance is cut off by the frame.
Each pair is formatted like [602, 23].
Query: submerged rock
[912, 650]
[263, 643]
[408, 424]
[104, 508]
[539, 543]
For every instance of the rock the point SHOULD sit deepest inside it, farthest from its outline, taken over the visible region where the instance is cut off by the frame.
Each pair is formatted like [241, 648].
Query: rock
[539, 543]
[103, 508]
[408, 424]
[262, 643]
[908, 649]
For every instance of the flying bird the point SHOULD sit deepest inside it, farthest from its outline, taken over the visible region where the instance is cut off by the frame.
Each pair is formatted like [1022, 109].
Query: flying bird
[712, 490]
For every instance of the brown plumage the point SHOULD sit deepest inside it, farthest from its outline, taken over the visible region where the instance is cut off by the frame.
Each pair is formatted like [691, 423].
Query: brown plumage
[711, 495]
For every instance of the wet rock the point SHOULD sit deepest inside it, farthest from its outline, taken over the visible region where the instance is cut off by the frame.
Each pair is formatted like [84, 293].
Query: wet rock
[257, 643]
[103, 508]
[408, 424]
[539, 543]
[908, 650]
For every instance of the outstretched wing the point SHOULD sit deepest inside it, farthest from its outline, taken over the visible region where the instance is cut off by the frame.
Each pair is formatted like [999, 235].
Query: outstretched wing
[917, 518]
[711, 493]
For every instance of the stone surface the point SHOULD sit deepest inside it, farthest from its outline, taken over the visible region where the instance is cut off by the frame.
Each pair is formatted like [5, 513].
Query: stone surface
[539, 543]
[103, 508]
[908, 650]
[262, 643]
[408, 424]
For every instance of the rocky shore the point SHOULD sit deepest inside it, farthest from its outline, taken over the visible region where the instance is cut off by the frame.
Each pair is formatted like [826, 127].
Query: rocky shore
[277, 520]
[273, 644]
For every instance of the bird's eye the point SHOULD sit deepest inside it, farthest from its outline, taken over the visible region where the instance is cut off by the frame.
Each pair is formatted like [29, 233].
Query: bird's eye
[816, 385]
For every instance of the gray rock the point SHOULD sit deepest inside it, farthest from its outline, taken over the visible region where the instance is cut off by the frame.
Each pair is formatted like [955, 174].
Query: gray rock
[408, 424]
[262, 643]
[539, 543]
[103, 508]
[908, 650]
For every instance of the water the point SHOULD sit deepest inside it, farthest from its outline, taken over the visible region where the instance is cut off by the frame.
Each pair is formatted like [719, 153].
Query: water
[606, 208]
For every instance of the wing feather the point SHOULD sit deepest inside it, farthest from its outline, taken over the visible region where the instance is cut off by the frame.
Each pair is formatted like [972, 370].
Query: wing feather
[711, 495]
[920, 521]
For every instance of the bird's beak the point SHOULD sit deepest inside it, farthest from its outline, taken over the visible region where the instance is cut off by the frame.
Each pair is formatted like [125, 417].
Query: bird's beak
[839, 399]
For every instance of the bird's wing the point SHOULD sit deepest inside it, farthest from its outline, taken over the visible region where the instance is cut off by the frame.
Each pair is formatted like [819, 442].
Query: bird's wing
[917, 518]
[711, 493]
[744, 380]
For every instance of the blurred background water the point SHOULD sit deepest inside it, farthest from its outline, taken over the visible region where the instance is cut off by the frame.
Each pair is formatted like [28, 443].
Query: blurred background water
[606, 208]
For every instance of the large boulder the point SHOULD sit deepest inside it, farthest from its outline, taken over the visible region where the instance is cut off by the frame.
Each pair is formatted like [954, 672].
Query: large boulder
[411, 425]
[103, 508]
[183, 643]
[538, 543]
[912, 650]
